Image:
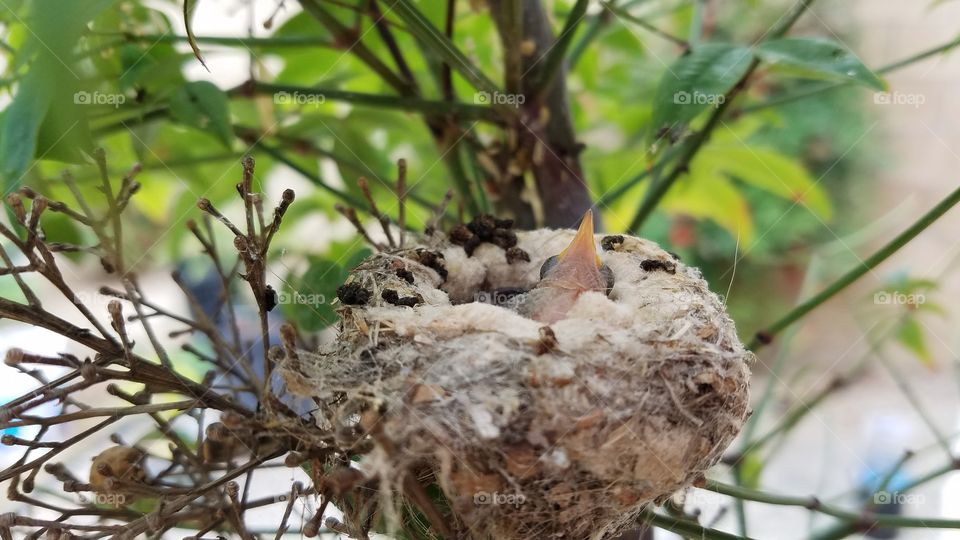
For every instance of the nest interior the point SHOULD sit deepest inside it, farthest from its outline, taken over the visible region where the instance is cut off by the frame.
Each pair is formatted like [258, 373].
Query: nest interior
[531, 431]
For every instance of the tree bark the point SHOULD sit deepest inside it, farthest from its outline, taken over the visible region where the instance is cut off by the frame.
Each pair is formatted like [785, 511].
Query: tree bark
[544, 141]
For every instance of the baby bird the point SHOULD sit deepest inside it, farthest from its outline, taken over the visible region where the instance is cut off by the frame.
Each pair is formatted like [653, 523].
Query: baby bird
[565, 276]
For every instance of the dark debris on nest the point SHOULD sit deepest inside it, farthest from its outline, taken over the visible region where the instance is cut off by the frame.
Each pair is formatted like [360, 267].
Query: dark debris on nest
[491, 230]
[432, 260]
[393, 297]
[655, 265]
[353, 294]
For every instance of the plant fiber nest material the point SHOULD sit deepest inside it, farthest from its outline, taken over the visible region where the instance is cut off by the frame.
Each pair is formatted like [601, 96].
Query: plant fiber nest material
[531, 431]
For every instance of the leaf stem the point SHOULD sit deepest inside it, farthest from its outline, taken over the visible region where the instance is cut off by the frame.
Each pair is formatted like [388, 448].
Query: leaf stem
[813, 90]
[657, 191]
[230, 41]
[642, 23]
[353, 43]
[686, 528]
[430, 36]
[855, 518]
[403, 103]
[342, 195]
[764, 337]
[557, 54]
[652, 198]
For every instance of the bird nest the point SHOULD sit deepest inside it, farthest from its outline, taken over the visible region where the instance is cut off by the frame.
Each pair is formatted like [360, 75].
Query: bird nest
[566, 430]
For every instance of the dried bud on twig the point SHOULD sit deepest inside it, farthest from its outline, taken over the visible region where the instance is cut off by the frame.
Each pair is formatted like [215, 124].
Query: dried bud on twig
[115, 467]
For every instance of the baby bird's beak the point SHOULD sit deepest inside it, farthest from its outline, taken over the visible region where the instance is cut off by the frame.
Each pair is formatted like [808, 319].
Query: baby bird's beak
[578, 266]
[575, 270]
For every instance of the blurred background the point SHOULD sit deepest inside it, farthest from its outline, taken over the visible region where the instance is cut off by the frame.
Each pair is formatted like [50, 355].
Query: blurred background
[802, 182]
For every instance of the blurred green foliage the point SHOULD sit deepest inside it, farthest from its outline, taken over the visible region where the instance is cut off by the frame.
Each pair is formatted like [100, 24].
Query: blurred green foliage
[114, 73]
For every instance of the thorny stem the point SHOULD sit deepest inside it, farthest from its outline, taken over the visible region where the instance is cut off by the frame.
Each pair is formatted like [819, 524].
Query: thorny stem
[765, 336]
[251, 245]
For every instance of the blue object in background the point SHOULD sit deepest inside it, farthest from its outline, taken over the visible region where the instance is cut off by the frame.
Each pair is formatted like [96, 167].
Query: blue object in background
[888, 436]
[15, 383]
[207, 288]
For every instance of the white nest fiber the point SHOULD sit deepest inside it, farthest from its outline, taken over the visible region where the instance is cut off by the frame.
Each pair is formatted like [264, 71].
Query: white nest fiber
[532, 431]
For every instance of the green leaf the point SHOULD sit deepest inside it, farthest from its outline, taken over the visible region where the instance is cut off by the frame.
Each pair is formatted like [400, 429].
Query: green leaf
[770, 171]
[913, 293]
[910, 335]
[697, 81]
[58, 227]
[308, 302]
[203, 105]
[819, 58]
[156, 197]
[706, 194]
[751, 469]
[21, 124]
[299, 25]
[43, 118]
[143, 506]
[155, 68]
[902, 282]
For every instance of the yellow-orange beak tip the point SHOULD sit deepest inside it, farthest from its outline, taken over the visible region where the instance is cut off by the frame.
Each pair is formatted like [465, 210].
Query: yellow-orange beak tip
[583, 248]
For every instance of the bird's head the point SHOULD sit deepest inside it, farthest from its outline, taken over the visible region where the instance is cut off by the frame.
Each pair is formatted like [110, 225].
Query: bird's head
[578, 268]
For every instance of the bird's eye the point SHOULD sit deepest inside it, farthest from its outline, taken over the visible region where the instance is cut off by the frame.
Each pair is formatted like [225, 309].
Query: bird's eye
[548, 265]
[608, 279]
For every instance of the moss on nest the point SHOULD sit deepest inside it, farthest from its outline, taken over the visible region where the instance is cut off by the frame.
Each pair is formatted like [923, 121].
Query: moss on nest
[532, 431]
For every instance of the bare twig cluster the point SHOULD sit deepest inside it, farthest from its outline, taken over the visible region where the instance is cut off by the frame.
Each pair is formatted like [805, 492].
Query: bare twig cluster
[133, 488]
